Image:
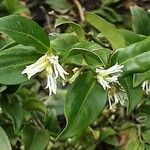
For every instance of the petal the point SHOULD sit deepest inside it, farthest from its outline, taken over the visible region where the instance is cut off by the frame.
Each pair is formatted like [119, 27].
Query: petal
[112, 79]
[51, 84]
[104, 83]
[36, 67]
[115, 69]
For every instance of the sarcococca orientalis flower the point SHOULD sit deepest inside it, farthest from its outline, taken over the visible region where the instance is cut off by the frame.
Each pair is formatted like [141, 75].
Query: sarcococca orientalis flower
[50, 64]
[107, 76]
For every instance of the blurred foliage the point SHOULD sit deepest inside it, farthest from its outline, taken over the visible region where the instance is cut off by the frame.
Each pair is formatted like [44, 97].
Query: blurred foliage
[30, 119]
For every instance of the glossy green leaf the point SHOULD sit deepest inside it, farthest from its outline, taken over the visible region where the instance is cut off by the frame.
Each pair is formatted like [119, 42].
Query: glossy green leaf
[101, 53]
[25, 31]
[84, 97]
[86, 53]
[33, 104]
[4, 141]
[16, 113]
[131, 37]
[34, 139]
[9, 45]
[134, 94]
[62, 43]
[135, 57]
[140, 20]
[93, 54]
[76, 27]
[13, 61]
[107, 29]
[139, 78]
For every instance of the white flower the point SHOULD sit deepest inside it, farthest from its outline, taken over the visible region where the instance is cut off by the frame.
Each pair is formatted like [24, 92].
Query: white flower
[38, 66]
[110, 75]
[116, 96]
[49, 64]
[146, 87]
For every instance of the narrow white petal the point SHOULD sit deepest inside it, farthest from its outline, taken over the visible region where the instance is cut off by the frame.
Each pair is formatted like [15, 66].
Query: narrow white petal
[110, 104]
[53, 84]
[49, 85]
[112, 79]
[115, 69]
[56, 71]
[146, 87]
[36, 67]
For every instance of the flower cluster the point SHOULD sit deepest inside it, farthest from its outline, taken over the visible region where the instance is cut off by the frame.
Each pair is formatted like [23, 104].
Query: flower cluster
[50, 64]
[108, 76]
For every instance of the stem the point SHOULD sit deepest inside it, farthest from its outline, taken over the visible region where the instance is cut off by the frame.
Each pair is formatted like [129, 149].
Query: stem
[80, 9]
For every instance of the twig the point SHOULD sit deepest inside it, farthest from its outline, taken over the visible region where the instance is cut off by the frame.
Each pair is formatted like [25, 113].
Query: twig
[80, 9]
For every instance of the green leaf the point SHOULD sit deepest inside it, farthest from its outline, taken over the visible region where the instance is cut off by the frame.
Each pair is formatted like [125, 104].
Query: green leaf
[84, 97]
[10, 5]
[62, 43]
[76, 27]
[51, 122]
[134, 94]
[9, 45]
[92, 49]
[135, 57]
[131, 37]
[107, 29]
[13, 61]
[147, 147]
[85, 53]
[133, 145]
[139, 78]
[33, 104]
[140, 20]
[106, 132]
[59, 5]
[108, 2]
[34, 139]
[15, 113]
[108, 13]
[4, 40]
[25, 31]
[146, 136]
[112, 140]
[4, 142]
[93, 54]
